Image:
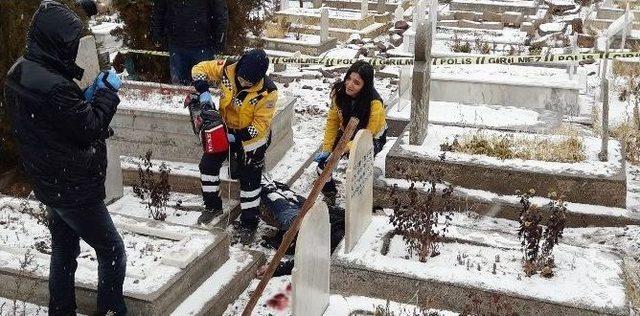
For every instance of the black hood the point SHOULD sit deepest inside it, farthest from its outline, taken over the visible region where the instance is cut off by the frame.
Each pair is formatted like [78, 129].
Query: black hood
[54, 37]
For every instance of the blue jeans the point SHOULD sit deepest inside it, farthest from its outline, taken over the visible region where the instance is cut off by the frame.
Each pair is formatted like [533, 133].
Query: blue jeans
[283, 210]
[183, 59]
[94, 225]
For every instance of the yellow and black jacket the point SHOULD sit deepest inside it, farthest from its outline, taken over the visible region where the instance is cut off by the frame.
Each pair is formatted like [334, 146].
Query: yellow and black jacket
[247, 112]
[377, 123]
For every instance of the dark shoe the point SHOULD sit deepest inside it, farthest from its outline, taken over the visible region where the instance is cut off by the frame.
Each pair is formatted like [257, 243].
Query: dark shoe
[208, 215]
[246, 233]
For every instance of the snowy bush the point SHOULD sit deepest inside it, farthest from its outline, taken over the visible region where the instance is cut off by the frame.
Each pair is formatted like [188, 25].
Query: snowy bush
[416, 215]
[532, 233]
[153, 190]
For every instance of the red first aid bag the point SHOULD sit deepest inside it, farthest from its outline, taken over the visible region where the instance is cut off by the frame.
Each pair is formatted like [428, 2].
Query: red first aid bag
[214, 140]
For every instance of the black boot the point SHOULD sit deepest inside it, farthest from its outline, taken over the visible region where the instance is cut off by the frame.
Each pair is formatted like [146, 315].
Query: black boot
[245, 232]
[208, 215]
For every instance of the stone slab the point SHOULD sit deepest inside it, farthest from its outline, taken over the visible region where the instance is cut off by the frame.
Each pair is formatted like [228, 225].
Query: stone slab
[218, 304]
[577, 187]
[314, 19]
[343, 35]
[534, 96]
[359, 188]
[355, 5]
[306, 48]
[607, 13]
[526, 7]
[310, 275]
[601, 24]
[170, 137]
[87, 59]
[507, 207]
[113, 183]
[170, 295]
[446, 286]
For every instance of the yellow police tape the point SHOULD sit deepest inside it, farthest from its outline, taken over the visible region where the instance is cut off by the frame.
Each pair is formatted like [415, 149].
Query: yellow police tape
[404, 61]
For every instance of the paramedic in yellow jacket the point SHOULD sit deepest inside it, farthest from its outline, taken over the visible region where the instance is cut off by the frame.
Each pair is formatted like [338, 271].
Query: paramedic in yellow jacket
[355, 96]
[247, 103]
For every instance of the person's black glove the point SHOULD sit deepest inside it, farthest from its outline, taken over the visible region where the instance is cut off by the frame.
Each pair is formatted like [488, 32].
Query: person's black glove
[106, 100]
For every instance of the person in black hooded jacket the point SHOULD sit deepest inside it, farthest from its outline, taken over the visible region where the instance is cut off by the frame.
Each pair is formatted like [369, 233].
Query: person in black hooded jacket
[61, 141]
[194, 29]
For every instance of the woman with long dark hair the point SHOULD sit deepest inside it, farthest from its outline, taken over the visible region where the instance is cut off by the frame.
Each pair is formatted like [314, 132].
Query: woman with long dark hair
[355, 96]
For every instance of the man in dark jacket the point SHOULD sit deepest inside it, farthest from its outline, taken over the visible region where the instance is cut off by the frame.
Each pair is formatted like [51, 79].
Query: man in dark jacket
[61, 137]
[195, 31]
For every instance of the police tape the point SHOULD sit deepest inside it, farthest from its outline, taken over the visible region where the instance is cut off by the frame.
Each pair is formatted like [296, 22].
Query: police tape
[436, 61]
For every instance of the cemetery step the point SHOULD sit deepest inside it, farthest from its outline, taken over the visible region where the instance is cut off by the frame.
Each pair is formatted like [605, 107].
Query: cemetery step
[224, 286]
[507, 206]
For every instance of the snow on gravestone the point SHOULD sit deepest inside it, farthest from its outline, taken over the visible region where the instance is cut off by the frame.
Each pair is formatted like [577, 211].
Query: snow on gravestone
[310, 276]
[359, 185]
[87, 59]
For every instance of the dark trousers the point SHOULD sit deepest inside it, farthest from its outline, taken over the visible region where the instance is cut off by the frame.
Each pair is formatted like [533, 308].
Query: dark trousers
[183, 59]
[248, 167]
[330, 186]
[94, 225]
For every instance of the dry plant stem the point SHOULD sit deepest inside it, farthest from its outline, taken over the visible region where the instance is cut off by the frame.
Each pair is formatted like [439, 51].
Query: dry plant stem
[289, 236]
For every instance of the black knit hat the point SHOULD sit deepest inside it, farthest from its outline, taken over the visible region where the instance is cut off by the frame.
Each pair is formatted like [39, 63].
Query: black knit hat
[253, 65]
[88, 6]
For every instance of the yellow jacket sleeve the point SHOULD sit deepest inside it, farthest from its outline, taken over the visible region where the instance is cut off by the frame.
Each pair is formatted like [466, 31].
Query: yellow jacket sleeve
[377, 118]
[210, 70]
[331, 128]
[262, 117]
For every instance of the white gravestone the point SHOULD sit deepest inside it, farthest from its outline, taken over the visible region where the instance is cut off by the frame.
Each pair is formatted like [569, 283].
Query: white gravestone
[284, 5]
[310, 276]
[359, 188]
[324, 25]
[87, 59]
[365, 8]
[398, 14]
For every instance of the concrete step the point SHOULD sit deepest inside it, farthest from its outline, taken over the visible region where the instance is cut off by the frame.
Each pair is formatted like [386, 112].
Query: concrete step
[489, 280]
[386, 191]
[371, 31]
[144, 295]
[357, 5]
[152, 117]
[224, 286]
[577, 181]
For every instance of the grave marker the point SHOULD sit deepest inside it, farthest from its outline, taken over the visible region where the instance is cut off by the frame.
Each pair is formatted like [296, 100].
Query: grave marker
[310, 276]
[398, 14]
[324, 25]
[421, 88]
[382, 8]
[284, 5]
[359, 188]
[87, 59]
[364, 8]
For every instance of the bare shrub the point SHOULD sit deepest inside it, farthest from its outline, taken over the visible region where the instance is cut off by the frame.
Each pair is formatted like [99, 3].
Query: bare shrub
[416, 214]
[153, 190]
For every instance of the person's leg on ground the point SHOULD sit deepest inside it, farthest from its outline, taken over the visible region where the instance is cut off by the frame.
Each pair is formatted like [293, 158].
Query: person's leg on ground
[65, 248]
[94, 225]
[210, 179]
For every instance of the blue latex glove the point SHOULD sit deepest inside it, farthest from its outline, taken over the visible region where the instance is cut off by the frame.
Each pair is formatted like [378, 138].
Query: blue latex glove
[231, 138]
[109, 79]
[322, 156]
[104, 80]
[206, 98]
